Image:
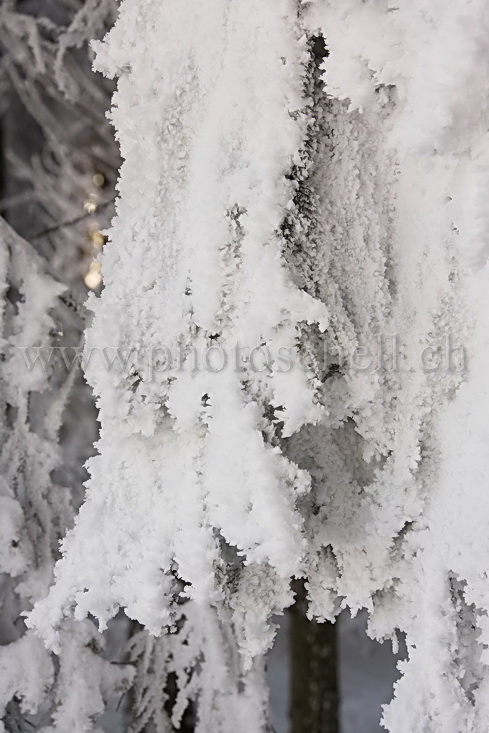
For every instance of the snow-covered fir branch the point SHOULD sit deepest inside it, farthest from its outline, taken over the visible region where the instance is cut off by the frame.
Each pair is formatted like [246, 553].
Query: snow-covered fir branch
[35, 689]
[304, 179]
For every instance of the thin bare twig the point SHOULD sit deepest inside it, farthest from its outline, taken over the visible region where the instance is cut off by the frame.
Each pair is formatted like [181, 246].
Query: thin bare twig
[71, 222]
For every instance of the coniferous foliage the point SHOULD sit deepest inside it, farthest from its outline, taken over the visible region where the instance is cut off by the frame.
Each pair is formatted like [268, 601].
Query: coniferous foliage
[302, 199]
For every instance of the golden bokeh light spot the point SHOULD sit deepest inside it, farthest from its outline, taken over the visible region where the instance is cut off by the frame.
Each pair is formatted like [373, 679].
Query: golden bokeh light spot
[90, 207]
[93, 277]
[97, 239]
[98, 180]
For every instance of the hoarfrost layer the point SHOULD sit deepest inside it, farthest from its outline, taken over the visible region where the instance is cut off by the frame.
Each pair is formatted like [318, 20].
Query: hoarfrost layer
[258, 208]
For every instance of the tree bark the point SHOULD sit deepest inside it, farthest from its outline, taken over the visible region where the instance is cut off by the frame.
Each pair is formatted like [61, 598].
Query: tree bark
[314, 685]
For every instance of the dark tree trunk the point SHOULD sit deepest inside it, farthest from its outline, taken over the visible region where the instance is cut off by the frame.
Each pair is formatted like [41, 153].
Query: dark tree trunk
[314, 687]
